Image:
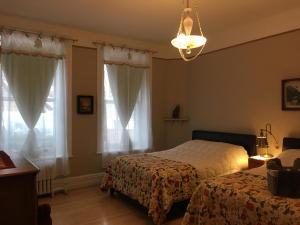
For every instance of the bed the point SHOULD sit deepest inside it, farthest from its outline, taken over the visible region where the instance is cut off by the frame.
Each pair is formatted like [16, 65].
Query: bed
[157, 180]
[243, 197]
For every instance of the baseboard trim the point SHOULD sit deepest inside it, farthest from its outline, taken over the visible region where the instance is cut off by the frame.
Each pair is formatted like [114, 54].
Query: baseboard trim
[71, 183]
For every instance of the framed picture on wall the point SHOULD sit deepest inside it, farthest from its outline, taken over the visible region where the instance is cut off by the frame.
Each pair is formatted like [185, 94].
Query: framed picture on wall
[85, 104]
[291, 94]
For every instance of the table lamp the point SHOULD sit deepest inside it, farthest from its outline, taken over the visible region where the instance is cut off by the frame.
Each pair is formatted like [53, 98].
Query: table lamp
[262, 140]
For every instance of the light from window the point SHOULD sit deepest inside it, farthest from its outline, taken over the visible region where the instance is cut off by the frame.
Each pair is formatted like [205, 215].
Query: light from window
[112, 117]
[15, 128]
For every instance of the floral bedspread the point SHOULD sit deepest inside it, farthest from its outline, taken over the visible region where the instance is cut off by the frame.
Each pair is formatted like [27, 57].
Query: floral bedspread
[154, 182]
[238, 199]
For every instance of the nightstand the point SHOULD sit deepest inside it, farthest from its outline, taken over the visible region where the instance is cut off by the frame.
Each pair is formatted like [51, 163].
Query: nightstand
[256, 161]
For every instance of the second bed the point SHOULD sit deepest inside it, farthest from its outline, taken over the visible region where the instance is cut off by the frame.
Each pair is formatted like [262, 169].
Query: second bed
[243, 197]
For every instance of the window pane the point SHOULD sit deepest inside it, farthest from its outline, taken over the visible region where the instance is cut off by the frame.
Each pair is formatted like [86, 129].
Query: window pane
[112, 117]
[14, 125]
[15, 128]
[107, 91]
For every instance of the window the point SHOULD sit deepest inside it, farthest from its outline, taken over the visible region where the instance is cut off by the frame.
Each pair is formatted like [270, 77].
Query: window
[15, 130]
[113, 123]
[126, 111]
[33, 99]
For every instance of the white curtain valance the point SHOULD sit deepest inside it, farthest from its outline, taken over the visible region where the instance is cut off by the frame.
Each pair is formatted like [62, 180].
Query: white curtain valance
[31, 44]
[118, 55]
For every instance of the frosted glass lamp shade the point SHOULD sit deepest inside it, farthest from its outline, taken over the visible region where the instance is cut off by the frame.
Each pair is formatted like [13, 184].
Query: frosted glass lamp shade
[183, 41]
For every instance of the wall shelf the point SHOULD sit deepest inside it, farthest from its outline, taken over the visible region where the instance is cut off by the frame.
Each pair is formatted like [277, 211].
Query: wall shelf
[183, 119]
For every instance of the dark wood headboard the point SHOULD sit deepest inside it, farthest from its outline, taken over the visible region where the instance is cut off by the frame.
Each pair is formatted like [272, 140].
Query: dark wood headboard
[290, 143]
[248, 141]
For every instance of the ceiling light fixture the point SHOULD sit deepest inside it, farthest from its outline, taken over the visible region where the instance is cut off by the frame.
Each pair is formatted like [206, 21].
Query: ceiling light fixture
[184, 40]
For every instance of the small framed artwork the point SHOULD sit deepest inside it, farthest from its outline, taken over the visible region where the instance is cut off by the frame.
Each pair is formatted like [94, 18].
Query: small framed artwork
[291, 94]
[85, 104]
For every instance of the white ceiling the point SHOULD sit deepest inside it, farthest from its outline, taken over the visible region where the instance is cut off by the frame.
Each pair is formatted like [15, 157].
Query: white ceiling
[148, 20]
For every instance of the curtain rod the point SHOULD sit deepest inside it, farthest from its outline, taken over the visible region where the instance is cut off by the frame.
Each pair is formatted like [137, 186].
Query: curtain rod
[123, 46]
[36, 32]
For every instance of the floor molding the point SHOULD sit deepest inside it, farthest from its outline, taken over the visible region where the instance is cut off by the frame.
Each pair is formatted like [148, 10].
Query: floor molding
[71, 183]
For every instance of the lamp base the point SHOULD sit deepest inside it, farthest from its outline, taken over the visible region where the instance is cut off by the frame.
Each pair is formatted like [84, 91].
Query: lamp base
[267, 156]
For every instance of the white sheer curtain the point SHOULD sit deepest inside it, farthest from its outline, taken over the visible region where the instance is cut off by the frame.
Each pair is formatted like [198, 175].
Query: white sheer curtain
[126, 103]
[33, 99]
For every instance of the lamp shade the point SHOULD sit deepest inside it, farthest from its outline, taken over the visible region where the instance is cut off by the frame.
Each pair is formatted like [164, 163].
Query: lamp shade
[262, 142]
[183, 41]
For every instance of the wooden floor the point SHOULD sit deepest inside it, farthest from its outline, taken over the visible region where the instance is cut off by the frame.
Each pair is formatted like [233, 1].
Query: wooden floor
[90, 206]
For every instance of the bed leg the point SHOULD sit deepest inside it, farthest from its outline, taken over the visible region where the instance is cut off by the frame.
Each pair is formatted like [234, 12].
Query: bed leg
[111, 191]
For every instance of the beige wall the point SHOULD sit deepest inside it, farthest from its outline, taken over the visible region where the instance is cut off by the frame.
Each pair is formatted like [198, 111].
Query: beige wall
[85, 159]
[169, 88]
[159, 77]
[217, 37]
[84, 37]
[176, 90]
[235, 90]
[84, 127]
[239, 89]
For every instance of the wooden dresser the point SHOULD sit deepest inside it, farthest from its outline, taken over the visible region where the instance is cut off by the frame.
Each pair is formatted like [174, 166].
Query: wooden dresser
[18, 196]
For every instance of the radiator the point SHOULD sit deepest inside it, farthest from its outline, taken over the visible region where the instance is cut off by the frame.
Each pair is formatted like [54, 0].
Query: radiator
[45, 180]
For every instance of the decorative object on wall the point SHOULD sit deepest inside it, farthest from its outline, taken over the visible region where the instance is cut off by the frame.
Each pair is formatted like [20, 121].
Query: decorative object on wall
[85, 104]
[185, 41]
[175, 116]
[291, 94]
[176, 112]
[262, 140]
[182, 119]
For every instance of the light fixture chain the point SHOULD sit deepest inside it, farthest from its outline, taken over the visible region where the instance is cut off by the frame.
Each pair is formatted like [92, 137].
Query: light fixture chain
[192, 58]
[180, 26]
[199, 25]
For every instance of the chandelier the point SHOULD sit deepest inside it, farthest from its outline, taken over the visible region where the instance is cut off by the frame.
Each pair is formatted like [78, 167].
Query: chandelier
[185, 41]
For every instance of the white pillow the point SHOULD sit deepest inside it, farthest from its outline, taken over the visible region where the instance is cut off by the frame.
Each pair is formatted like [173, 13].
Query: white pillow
[287, 157]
